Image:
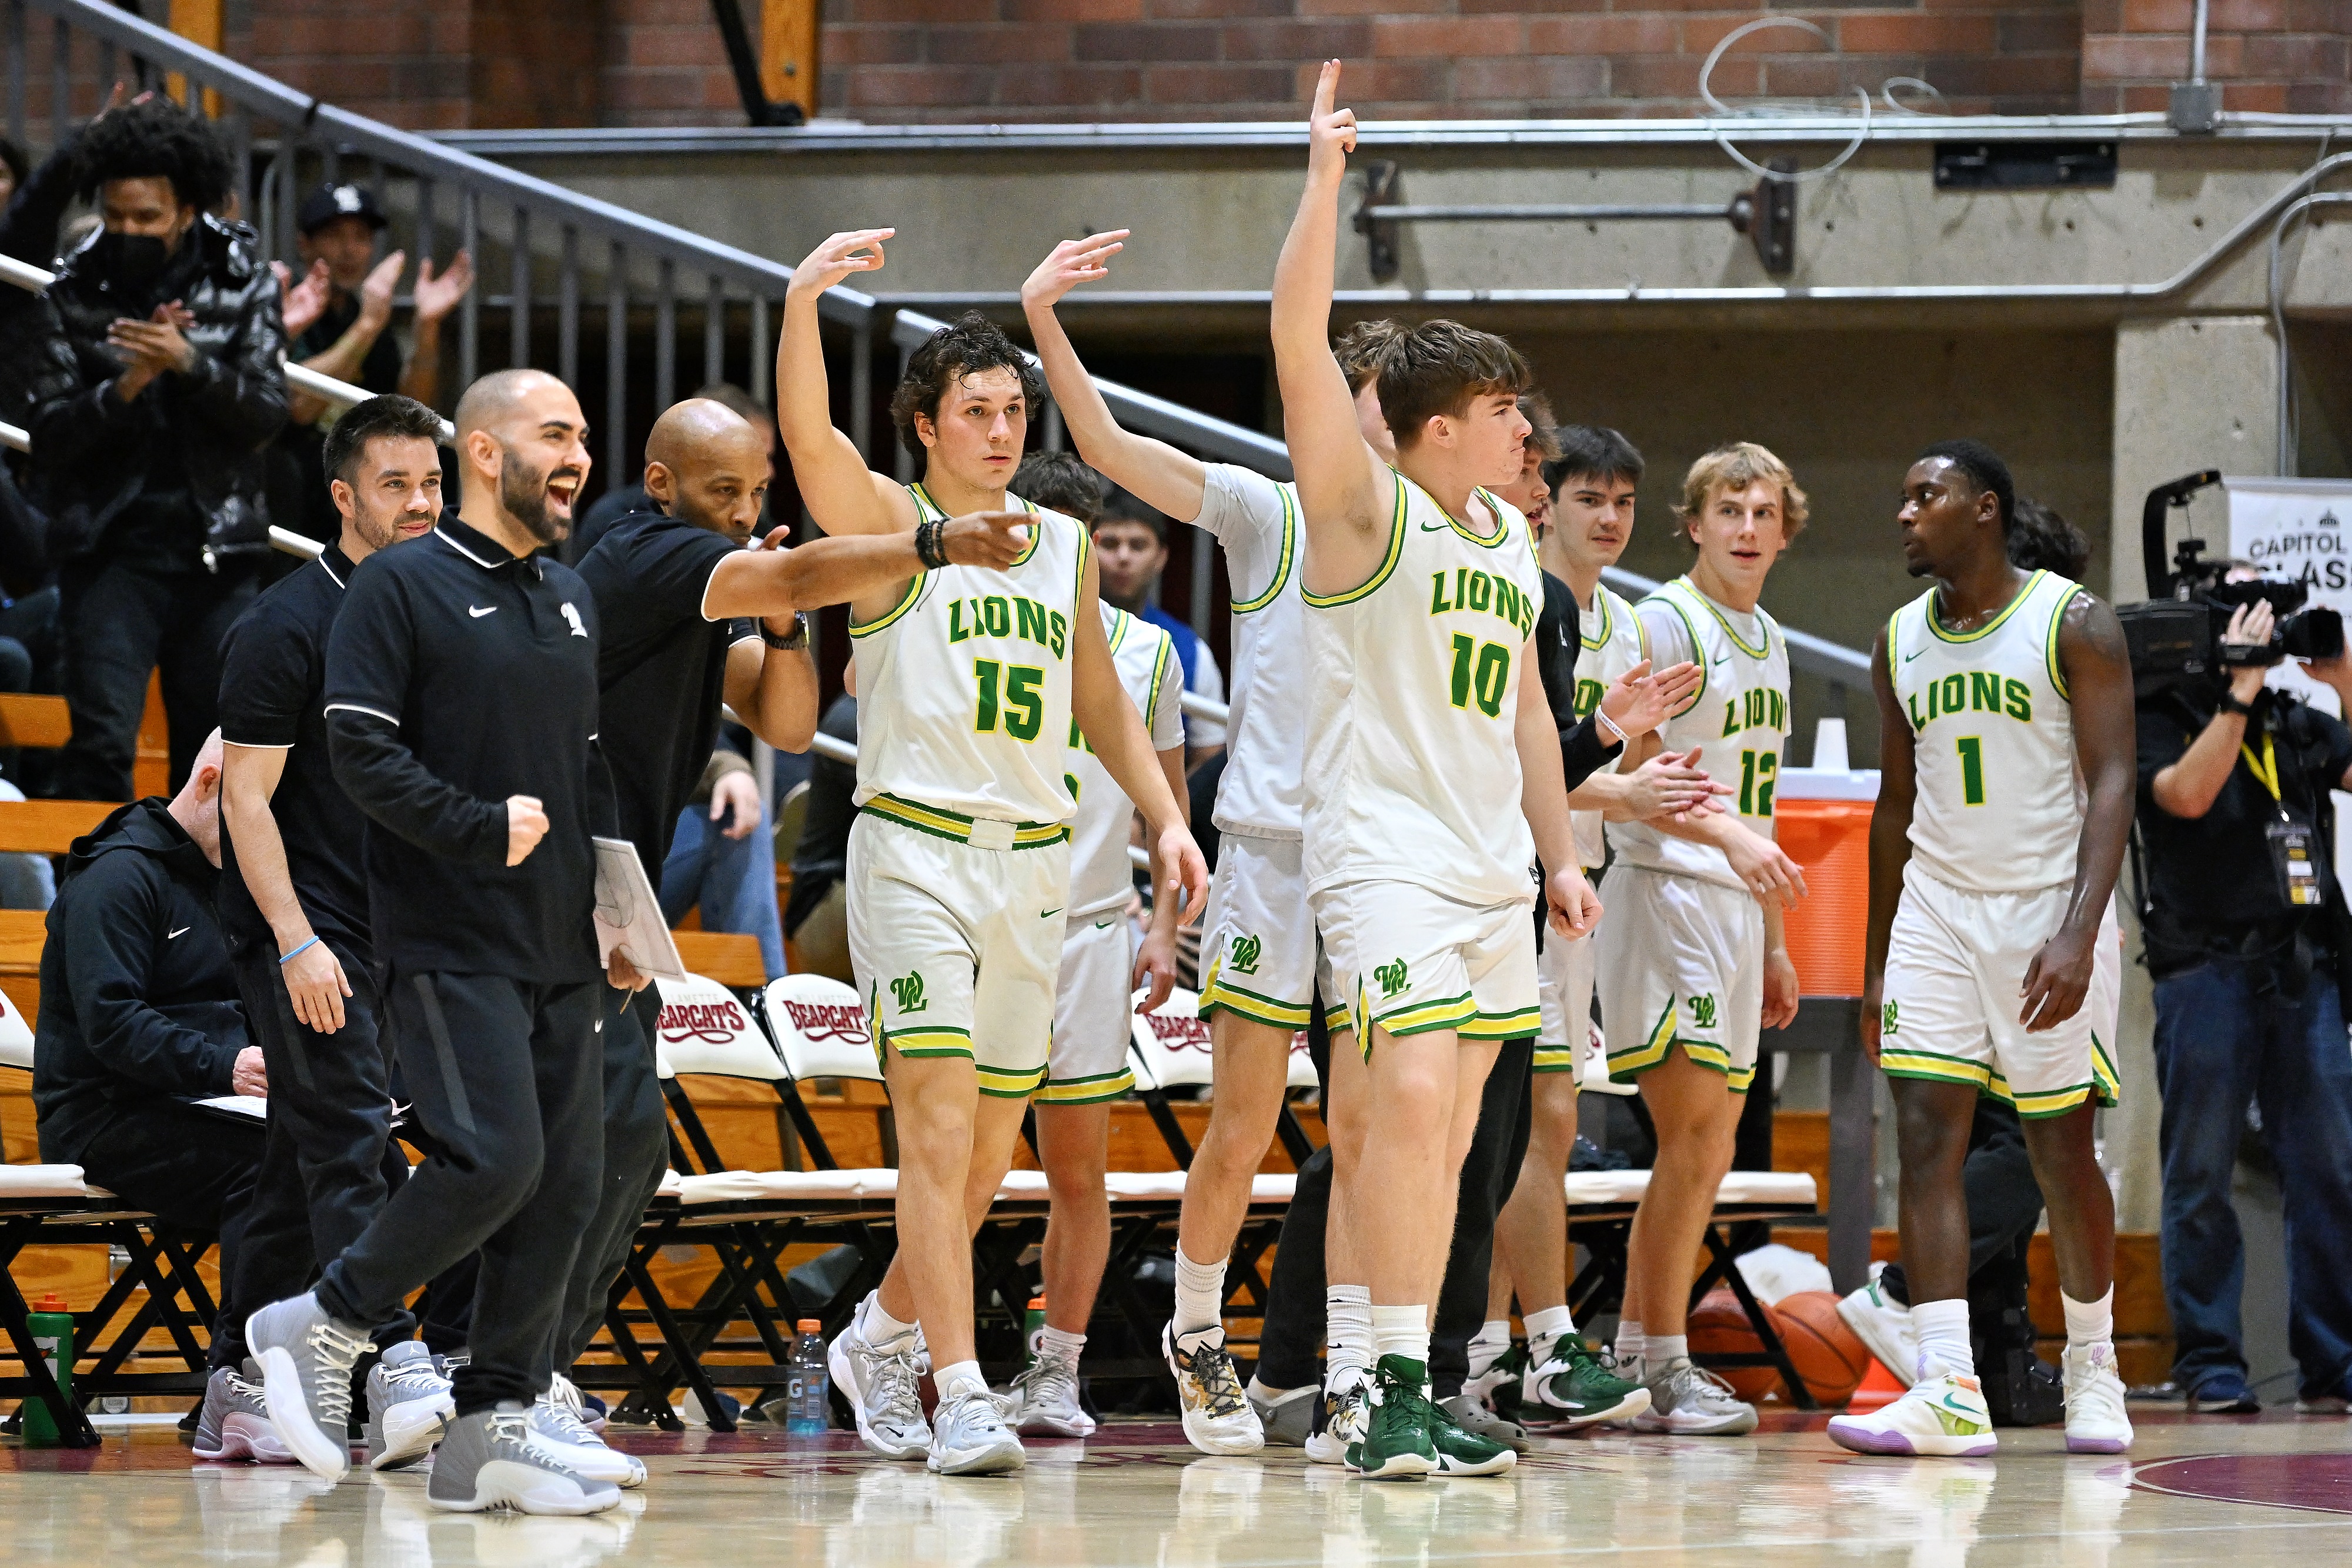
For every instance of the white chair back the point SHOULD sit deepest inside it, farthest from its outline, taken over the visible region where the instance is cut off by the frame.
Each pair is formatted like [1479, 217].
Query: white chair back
[1171, 1044]
[821, 1028]
[705, 1028]
[16, 1037]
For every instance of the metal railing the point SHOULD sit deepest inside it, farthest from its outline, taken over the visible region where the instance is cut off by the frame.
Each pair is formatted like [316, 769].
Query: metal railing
[569, 256]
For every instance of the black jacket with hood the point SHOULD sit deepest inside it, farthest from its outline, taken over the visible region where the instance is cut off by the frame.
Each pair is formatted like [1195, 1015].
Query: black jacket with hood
[93, 453]
[138, 1001]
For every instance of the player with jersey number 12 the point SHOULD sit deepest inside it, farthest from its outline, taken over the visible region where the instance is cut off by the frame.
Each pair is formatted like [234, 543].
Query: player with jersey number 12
[1989, 875]
[969, 680]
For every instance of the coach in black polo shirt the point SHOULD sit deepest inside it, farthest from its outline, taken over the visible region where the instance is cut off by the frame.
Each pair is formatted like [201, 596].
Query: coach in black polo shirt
[293, 896]
[461, 713]
[670, 586]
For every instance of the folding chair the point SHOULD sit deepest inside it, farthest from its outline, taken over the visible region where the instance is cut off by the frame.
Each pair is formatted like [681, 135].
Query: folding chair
[50, 1205]
[746, 1218]
[1172, 1050]
[1601, 1206]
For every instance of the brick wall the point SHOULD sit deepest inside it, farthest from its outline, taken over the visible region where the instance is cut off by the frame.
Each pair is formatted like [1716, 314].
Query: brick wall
[2274, 56]
[896, 60]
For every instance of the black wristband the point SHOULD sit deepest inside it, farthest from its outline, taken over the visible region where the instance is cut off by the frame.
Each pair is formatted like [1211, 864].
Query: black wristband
[797, 642]
[2230, 704]
[928, 547]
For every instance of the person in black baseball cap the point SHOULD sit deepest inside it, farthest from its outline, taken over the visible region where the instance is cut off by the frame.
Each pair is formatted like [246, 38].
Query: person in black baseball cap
[337, 228]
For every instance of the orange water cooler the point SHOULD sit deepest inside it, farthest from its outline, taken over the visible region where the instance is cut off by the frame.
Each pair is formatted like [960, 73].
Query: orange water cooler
[1822, 817]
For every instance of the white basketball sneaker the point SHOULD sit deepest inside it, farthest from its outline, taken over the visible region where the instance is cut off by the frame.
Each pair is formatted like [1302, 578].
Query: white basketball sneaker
[1884, 1326]
[1944, 1415]
[1217, 1415]
[2095, 1420]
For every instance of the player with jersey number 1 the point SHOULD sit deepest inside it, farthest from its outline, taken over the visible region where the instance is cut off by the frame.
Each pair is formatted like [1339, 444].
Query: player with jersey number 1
[1989, 876]
[1430, 759]
[969, 680]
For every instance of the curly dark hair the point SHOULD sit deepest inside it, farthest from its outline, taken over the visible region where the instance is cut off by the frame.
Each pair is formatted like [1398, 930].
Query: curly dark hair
[156, 138]
[969, 344]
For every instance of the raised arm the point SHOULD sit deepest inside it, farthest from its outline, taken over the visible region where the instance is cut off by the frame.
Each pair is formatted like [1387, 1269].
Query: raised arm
[1163, 477]
[779, 581]
[1106, 718]
[1890, 839]
[1343, 488]
[840, 493]
[2097, 667]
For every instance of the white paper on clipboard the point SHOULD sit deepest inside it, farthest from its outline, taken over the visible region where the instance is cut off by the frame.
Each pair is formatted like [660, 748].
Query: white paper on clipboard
[629, 917]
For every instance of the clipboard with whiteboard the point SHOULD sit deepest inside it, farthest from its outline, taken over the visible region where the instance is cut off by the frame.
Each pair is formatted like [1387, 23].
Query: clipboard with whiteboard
[629, 916]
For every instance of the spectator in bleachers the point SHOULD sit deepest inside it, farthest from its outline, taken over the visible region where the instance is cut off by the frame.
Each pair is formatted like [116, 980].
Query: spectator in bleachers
[723, 860]
[139, 1019]
[337, 228]
[149, 415]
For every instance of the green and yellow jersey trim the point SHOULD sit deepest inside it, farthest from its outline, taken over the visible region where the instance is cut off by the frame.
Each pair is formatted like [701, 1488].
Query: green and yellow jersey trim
[942, 823]
[931, 509]
[1396, 553]
[1289, 556]
[1935, 626]
[1762, 619]
[1608, 622]
[1654, 1048]
[1089, 1091]
[1699, 645]
[2050, 647]
[1244, 1003]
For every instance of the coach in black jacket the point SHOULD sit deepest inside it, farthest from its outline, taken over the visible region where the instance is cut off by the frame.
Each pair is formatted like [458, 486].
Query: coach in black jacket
[147, 422]
[139, 1018]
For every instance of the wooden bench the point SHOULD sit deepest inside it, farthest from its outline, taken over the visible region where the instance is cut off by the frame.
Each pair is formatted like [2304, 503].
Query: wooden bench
[33, 722]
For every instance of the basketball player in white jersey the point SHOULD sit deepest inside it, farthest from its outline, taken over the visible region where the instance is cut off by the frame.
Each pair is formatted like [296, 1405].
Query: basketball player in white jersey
[1088, 1068]
[1693, 963]
[1989, 879]
[1429, 761]
[969, 682]
[1259, 942]
[1587, 490]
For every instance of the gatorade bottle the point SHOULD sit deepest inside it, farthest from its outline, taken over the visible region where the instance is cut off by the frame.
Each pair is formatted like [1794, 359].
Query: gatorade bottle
[1032, 1331]
[52, 1324]
[806, 1402]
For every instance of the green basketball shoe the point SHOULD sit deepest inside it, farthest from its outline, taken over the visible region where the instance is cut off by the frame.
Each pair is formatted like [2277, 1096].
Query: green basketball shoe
[1576, 1387]
[1398, 1443]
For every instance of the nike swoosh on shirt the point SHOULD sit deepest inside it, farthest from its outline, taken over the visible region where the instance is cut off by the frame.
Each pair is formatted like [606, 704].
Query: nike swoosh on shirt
[1432, 528]
[1049, 913]
[1912, 654]
[183, 931]
[478, 612]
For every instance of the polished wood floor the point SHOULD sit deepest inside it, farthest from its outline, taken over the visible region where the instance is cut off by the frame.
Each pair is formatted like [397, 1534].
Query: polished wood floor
[2248, 1492]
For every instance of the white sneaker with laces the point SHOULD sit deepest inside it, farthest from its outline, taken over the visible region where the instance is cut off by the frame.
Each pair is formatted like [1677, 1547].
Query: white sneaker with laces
[306, 1359]
[1688, 1401]
[409, 1406]
[1217, 1415]
[1343, 1422]
[880, 1387]
[2095, 1420]
[1884, 1326]
[1043, 1400]
[1943, 1416]
[969, 1437]
[557, 1430]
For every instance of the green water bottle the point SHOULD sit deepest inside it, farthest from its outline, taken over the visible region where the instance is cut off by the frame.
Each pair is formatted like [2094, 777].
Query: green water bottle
[52, 1325]
[1033, 1330]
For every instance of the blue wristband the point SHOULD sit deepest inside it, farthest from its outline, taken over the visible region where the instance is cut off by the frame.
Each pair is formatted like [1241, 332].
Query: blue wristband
[298, 952]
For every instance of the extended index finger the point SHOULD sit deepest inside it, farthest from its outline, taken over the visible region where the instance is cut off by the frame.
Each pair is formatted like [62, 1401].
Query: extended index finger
[1327, 88]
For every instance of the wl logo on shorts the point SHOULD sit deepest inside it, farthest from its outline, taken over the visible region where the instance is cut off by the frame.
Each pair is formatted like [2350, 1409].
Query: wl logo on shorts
[1243, 958]
[908, 992]
[1886, 1019]
[1391, 979]
[1703, 1011]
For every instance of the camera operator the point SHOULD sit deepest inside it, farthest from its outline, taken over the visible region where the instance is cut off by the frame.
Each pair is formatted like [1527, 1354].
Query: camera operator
[2241, 916]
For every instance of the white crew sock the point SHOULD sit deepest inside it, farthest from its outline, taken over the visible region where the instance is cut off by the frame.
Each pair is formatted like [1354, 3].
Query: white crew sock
[1942, 1331]
[1347, 1333]
[2089, 1323]
[960, 1377]
[1546, 1329]
[878, 1328]
[1056, 1344]
[1200, 1295]
[1630, 1345]
[1489, 1344]
[1664, 1349]
[1401, 1331]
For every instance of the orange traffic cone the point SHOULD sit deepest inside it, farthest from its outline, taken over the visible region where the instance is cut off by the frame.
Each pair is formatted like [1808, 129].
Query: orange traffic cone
[1879, 1387]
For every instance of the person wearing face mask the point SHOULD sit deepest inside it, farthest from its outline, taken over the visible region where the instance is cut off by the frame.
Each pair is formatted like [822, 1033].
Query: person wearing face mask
[148, 412]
